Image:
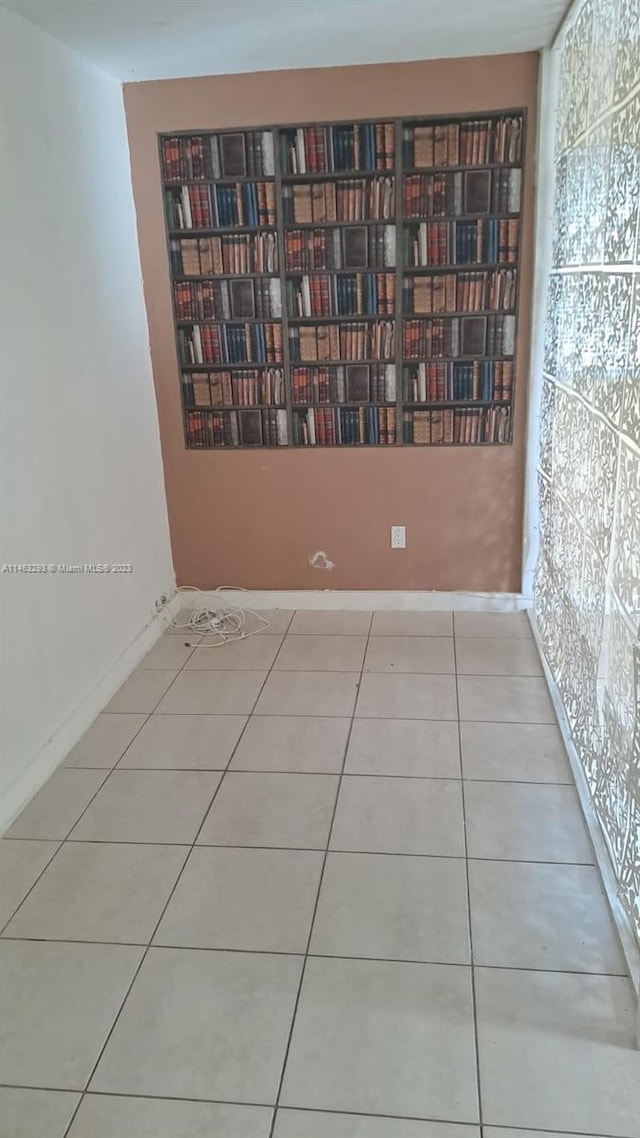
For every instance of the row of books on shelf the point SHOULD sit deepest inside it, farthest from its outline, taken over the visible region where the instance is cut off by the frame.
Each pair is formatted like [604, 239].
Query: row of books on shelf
[329, 149]
[348, 199]
[487, 240]
[230, 343]
[350, 383]
[331, 295]
[340, 147]
[457, 425]
[227, 300]
[359, 293]
[213, 207]
[349, 341]
[340, 426]
[431, 243]
[350, 247]
[460, 292]
[459, 336]
[438, 382]
[469, 143]
[236, 428]
[422, 340]
[229, 155]
[476, 192]
[344, 426]
[443, 382]
[240, 388]
[237, 253]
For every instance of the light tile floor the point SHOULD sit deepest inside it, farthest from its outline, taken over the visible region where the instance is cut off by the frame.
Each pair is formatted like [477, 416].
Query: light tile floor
[329, 883]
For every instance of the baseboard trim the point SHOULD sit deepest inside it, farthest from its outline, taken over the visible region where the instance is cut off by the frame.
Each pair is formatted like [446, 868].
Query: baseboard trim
[365, 599]
[42, 765]
[628, 943]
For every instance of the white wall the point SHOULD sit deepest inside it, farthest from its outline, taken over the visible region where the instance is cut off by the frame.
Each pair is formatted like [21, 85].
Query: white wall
[81, 468]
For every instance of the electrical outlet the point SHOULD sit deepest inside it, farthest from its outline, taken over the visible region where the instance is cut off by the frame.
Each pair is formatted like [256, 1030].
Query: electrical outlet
[398, 537]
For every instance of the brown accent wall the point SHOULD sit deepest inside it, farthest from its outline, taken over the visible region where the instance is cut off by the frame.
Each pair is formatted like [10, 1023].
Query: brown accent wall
[255, 518]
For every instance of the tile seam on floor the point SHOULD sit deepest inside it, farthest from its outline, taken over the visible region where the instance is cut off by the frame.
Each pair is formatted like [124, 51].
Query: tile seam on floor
[328, 774]
[313, 849]
[474, 1009]
[192, 846]
[146, 712]
[402, 718]
[317, 956]
[308, 1110]
[319, 889]
[58, 844]
[389, 671]
[371, 672]
[148, 715]
[109, 771]
[129, 745]
[451, 1122]
[61, 841]
[130, 1094]
[112, 767]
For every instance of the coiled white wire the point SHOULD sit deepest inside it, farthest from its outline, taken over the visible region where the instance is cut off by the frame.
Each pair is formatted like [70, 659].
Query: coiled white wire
[226, 620]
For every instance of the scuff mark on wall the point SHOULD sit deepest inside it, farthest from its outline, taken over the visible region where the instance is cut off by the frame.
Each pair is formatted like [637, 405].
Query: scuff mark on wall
[320, 560]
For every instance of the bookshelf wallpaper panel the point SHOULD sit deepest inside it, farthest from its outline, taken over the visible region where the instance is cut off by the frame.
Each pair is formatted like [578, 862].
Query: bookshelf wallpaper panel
[587, 588]
[363, 276]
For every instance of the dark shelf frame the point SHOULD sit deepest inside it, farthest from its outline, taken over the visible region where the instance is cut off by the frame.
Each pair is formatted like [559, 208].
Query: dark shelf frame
[459, 167]
[211, 277]
[460, 266]
[401, 270]
[243, 365]
[344, 318]
[217, 407]
[341, 363]
[221, 231]
[336, 176]
[451, 314]
[426, 218]
[173, 185]
[228, 320]
[334, 403]
[288, 226]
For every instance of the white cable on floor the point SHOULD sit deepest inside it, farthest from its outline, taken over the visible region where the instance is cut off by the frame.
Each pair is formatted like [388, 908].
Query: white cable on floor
[226, 620]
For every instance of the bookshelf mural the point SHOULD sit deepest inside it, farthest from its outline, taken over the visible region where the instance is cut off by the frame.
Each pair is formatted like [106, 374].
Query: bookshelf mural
[587, 589]
[346, 284]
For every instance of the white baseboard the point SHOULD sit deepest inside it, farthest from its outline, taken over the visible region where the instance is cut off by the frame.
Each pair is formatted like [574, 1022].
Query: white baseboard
[39, 768]
[626, 935]
[363, 599]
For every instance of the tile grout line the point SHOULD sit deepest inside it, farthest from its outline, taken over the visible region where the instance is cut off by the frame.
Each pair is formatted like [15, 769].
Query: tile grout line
[323, 774]
[285, 1058]
[319, 849]
[61, 841]
[59, 844]
[315, 956]
[79, 767]
[108, 772]
[468, 885]
[192, 846]
[388, 671]
[310, 1110]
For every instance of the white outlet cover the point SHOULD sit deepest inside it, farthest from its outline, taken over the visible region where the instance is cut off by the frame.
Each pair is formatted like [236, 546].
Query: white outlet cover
[398, 537]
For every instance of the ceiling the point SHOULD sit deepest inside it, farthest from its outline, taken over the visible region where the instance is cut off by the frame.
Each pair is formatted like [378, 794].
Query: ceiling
[166, 39]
